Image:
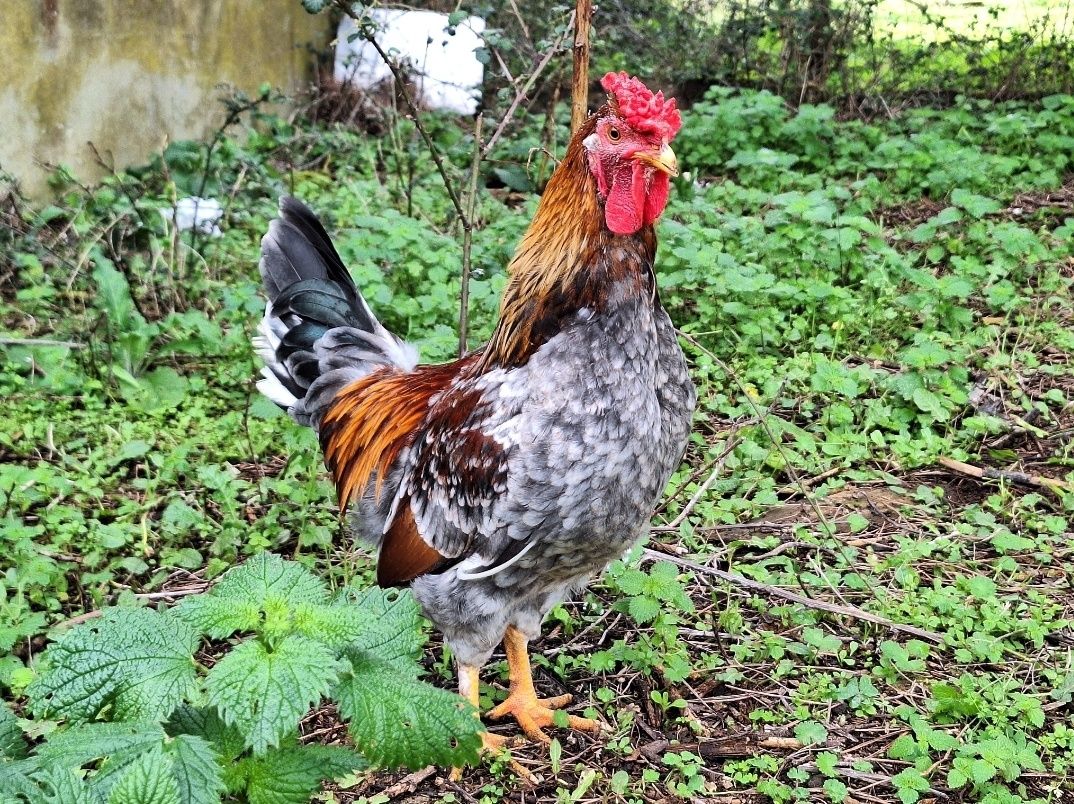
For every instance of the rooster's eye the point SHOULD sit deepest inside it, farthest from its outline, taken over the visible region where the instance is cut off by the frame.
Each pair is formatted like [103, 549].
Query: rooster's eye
[613, 134]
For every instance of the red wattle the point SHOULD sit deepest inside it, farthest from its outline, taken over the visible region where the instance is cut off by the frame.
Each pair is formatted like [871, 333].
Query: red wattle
[657, 198]
[626, 204]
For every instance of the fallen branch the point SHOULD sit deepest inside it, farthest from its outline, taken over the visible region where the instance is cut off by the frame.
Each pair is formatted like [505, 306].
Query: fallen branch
[408, 784]
[40, 342]
[1019, 478]
[776, 591]
[732, 442]
[732, 746]
[169, 596]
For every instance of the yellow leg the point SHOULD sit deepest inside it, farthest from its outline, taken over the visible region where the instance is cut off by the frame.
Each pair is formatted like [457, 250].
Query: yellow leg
[532, 713]
[470, 689]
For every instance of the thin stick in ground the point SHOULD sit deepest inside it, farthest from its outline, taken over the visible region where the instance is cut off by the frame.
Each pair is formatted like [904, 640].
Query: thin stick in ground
[583, 16]
[467, 239]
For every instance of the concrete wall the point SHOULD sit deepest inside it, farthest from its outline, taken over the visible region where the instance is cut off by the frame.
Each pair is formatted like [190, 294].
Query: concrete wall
[127, 75]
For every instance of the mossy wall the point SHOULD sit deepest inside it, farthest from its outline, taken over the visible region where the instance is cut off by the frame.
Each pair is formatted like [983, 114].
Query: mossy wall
[130, 75]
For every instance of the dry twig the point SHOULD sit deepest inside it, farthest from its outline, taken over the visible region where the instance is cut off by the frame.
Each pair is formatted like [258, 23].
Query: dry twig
[1020, 478]
[776, 591]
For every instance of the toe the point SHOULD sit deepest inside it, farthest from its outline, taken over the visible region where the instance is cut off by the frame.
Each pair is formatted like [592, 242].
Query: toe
[582, 723]
[531, 728]
[557, 702]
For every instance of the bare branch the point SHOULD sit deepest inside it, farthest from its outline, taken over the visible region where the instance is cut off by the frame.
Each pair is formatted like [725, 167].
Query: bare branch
[366, 33]
[583, 16]
[526, 87]
[468, 237]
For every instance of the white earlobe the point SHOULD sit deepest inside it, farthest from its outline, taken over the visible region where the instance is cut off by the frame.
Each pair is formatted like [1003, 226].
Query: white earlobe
[590, 142]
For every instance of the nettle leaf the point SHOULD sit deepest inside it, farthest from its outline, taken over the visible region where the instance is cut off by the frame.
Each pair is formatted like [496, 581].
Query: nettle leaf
[264, 691]
[336, 626]
[207, 724]
[12, 743]
[290, 775]
[642, 609]
[16, 779]
[265, 577]
[137, 661]
[218, 617]
[394, 633]
[976, 205]
[395, 719]
[62, 785]
[121, 742]
[150, 779]
[196, 770]
[260, 595]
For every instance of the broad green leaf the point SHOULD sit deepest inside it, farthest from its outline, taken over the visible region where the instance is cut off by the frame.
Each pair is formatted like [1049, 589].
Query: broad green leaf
[207, 724]
[642, 609]
[810, 732]
[196, 769]
[291, 774]
[929, 402]
[217, 617]
[976, 205]
[395, 633]
[264, 692]
[826, 762]
[137, 661]
[265, 577]
[337, 626]
[75, 746]
[114, 296]
[397, 720]
[150, 779]
[12, 743]
[981, 771]
[835, 790]
[63, 785]
[16, 779]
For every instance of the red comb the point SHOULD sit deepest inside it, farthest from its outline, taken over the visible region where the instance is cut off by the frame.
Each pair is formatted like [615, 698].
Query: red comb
[641, 109]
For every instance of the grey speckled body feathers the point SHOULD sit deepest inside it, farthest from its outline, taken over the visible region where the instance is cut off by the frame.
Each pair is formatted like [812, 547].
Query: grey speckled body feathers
[522, 482]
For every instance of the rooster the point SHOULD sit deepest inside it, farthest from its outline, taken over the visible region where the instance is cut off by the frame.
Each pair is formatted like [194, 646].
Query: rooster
[498, 484]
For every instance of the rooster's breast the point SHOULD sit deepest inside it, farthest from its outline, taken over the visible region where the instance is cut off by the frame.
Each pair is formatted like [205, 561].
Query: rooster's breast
[593, 425]
[592, 445]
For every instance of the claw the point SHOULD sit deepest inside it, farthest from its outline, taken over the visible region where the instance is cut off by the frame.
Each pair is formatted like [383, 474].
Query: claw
[532, 713]
[491, 744]
[535, 714]
[496, 745]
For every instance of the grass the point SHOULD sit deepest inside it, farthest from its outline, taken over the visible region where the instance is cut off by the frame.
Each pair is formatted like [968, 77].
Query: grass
[861, 300]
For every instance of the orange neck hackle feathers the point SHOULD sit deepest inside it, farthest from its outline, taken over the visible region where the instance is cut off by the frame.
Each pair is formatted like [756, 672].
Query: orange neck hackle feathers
[560, 241]
[552, 264]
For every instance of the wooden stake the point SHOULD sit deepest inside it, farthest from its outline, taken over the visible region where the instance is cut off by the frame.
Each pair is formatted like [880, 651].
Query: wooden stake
[583, 15]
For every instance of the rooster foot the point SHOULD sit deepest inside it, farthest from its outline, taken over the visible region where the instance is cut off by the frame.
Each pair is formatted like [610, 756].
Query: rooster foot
[496, 745]
[535, 714]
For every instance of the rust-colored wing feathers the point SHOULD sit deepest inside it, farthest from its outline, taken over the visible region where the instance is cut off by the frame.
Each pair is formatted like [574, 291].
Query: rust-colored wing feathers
[404, 554]
[363, 434]
[372, 420]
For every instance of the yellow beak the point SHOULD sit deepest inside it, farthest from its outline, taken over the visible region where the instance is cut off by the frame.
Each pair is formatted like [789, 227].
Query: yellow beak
[664, 161]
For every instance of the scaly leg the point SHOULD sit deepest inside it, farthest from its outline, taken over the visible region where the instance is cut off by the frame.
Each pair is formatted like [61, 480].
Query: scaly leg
[469, 688]
[532, 713]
